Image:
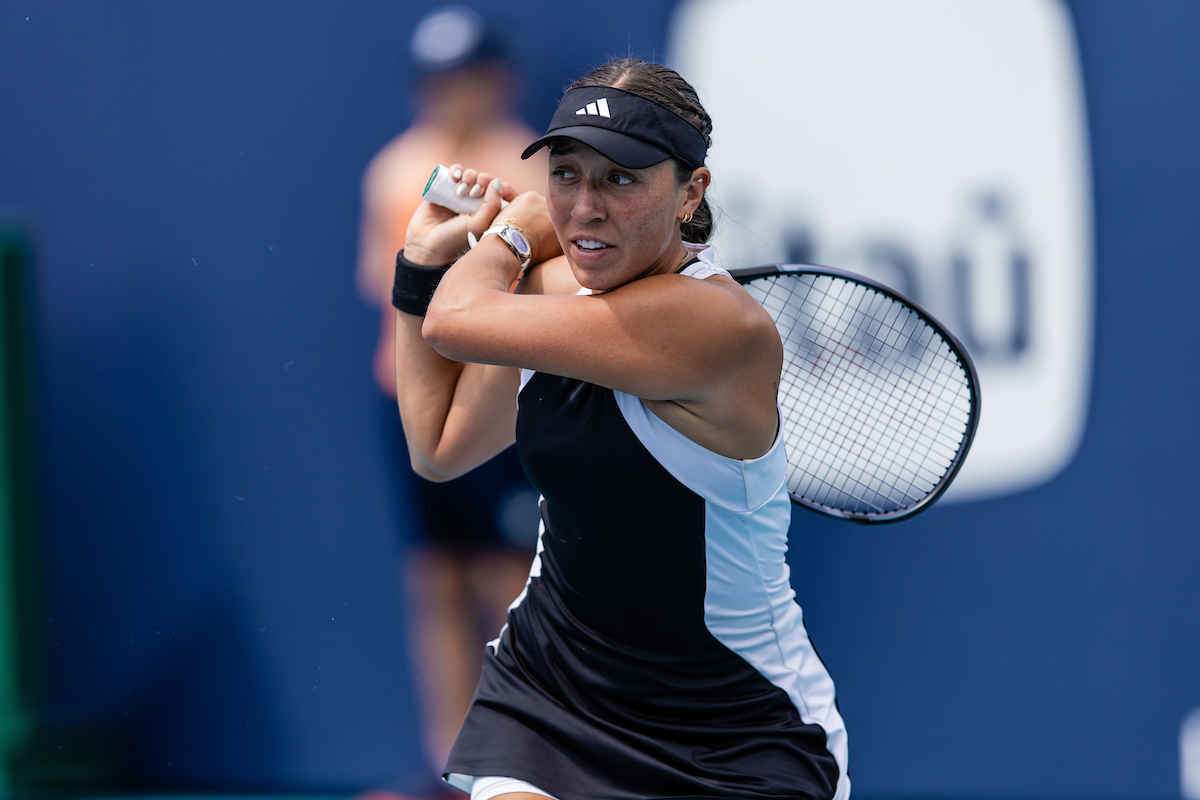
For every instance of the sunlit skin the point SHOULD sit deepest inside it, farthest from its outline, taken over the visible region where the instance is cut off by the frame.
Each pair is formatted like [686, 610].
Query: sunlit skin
[616, 224]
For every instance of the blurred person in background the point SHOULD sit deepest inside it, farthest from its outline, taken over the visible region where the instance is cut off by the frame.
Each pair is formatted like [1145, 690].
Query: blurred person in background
[472, 538]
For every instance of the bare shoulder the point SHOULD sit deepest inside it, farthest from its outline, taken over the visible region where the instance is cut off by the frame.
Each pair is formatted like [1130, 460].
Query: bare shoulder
[754, 332]
[402, 162]
[756, 319]
[736, 341]
[721, 306]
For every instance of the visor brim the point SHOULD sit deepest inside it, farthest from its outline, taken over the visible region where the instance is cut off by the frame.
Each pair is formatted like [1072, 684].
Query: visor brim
[616, 147]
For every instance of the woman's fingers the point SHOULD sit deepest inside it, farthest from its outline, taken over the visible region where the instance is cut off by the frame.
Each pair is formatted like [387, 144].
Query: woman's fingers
[473, 183]
[466, 184]
[492, 195]
[440, 234]
[482, 179]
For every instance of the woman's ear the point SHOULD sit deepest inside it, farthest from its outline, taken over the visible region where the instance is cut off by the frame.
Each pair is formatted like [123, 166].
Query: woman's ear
[700, 181]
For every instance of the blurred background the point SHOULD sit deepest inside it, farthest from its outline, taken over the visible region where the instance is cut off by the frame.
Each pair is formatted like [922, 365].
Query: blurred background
[200, 582]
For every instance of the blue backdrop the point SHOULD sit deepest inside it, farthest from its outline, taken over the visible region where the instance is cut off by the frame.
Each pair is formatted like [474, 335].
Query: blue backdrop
[221, 550]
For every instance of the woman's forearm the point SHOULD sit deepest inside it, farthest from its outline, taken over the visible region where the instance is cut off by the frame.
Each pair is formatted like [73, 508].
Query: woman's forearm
[455, 415]
[462, 309]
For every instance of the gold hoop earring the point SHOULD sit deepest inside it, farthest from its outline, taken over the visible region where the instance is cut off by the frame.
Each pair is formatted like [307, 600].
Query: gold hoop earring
[686, 219]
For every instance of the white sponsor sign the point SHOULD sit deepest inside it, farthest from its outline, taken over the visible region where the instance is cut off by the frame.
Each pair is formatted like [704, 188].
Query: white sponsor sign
[1189, 756]
[939, 146]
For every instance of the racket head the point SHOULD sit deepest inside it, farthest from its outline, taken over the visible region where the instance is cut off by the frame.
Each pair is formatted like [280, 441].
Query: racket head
[880, 402]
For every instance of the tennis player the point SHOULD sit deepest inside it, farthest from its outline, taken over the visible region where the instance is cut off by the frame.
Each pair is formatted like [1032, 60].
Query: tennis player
[657, 650]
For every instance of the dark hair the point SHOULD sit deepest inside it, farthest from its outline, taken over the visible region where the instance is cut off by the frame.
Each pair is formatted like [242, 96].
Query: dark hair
[666, 87]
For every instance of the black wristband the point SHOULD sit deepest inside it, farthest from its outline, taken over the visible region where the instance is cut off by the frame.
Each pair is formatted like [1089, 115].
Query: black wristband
[414, 285]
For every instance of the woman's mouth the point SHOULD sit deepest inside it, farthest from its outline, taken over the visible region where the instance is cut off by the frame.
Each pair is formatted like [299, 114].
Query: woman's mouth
[590, 245]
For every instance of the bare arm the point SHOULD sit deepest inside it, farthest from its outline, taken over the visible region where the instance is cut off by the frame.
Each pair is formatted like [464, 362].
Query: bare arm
[455, 415]
[660, 338]
[703, 353]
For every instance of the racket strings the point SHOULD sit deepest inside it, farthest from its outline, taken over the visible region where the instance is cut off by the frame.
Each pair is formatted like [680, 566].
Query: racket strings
[876, 401]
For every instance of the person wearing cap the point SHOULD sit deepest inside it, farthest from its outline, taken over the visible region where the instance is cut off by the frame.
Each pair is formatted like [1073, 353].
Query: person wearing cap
[461, 568]
[657, 650]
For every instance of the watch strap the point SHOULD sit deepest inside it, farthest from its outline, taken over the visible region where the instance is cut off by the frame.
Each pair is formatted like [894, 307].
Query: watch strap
[504, 231]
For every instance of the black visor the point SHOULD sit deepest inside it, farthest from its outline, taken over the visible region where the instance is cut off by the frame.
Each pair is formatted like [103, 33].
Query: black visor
[625, 128]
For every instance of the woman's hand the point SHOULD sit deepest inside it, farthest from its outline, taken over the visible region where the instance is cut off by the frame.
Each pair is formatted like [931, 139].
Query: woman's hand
[436, 235]
[529, 213]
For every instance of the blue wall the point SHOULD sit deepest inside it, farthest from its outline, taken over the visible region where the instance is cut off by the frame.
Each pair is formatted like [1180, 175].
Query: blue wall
[221, 548]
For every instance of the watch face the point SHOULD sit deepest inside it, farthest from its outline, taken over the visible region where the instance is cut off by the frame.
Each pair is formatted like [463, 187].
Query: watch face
[519, 241]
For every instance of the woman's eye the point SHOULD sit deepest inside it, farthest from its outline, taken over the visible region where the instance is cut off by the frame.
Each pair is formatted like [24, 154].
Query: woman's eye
[622, 180]
[563, 173]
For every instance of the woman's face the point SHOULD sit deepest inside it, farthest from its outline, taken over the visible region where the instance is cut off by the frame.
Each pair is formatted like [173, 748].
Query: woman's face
[615, 224]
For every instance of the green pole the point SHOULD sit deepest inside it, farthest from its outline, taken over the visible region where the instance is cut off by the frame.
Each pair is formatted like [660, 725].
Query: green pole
[17, 466]
[35, 759]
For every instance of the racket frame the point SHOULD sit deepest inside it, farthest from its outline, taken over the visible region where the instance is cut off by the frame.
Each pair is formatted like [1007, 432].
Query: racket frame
[748, 274]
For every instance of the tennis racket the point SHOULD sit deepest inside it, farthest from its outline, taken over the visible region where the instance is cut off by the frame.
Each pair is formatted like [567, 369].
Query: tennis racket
[880, 402]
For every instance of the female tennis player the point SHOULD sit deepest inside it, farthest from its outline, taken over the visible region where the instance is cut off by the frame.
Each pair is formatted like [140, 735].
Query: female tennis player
[657, 650]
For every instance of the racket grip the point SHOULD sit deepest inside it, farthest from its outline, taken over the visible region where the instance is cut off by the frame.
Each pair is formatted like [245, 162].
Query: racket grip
[439, 190]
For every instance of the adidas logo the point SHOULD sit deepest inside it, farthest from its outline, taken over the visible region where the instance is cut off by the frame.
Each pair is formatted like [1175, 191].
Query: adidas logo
[596, 109]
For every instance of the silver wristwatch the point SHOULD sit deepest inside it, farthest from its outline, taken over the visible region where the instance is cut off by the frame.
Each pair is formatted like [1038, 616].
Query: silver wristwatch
[512, 236]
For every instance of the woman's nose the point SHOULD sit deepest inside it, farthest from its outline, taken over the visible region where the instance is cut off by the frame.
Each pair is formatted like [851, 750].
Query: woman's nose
[589, 205]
